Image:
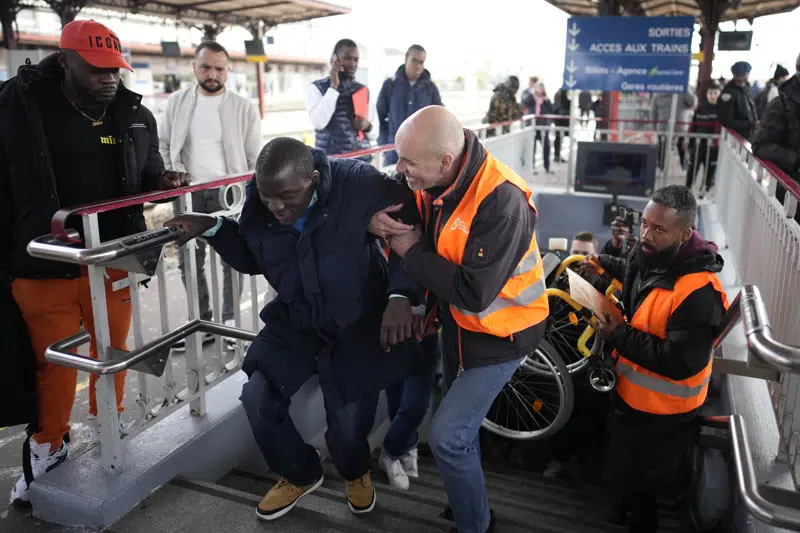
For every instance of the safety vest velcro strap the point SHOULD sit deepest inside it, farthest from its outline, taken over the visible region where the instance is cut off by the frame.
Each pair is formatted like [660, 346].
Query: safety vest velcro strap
[531, 293]
[659, 386]
[528, 263]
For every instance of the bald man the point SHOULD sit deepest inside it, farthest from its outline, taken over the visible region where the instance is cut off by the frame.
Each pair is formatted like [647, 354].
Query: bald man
[304, 228]
[477, 256]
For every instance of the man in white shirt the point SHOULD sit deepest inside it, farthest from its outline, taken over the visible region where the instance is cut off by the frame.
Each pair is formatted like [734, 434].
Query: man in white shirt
[210, 133]
[339, 107]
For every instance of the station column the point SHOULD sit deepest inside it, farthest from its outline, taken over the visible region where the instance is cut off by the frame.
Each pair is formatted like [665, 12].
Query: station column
[257, 29]
[712, 11]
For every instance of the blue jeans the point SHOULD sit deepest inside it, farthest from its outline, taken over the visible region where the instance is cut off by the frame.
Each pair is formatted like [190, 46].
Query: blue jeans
[408, 402]
[454, 438]
[284, 449]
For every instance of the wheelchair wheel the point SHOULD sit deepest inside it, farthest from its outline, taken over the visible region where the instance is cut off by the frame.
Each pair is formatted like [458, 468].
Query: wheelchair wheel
[535, 403]
[563, 336]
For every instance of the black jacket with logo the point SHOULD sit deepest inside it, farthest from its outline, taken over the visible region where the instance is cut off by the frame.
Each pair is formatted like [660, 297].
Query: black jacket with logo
[737, 110]
[499, 237]
[28, 194]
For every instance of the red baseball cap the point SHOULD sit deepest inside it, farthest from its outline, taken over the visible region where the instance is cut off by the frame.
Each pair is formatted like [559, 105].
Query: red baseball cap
[96, 44]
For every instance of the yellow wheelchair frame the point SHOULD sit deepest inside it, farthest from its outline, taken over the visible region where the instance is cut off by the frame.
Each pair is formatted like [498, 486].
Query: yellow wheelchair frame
[614, 287]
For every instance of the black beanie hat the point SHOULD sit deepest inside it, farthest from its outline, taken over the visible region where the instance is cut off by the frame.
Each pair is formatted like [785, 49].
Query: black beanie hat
[780, 72]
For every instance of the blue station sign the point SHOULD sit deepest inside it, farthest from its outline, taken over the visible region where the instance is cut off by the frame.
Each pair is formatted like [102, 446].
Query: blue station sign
[638, 54]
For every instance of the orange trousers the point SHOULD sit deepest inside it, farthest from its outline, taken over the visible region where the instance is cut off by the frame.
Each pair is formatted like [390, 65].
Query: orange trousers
[53, 310]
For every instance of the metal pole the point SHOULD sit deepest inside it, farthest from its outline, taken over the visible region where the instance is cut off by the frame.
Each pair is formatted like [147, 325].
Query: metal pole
[194, 345]
[574, 113]
[670, 136]
[107, 416]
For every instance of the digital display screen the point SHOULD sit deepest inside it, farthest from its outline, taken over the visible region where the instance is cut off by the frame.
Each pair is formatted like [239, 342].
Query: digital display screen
[623, 169]
[615, 169]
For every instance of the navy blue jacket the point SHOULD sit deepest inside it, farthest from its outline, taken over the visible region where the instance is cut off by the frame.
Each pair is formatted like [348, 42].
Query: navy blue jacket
[332, 283]
[398, 100]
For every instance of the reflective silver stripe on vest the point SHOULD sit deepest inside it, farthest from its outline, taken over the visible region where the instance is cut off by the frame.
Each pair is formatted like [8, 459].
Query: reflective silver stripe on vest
[528, 296]
[658, 385]
[528, 263]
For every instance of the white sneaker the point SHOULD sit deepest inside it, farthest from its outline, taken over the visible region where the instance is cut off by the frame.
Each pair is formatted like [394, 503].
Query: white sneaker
[409, 462]
[553, 469]
[42, 461]
[394, 471]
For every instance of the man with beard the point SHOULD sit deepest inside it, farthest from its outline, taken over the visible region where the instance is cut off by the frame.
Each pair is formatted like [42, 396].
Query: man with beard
[210, 133]
[674, 304]
[70, 134]
[335, 104]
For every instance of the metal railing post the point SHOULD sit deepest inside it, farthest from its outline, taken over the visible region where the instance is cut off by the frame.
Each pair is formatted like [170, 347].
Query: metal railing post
[107, 416]
[195, 374]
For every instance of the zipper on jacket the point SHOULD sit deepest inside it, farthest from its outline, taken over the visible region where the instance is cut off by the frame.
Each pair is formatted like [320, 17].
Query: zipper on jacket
[460, 352]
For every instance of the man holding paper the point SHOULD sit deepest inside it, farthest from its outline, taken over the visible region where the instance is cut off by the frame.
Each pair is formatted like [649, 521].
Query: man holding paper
[674, 303]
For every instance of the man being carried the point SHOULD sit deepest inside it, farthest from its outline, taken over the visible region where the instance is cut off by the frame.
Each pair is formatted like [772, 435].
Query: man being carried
[304, 227]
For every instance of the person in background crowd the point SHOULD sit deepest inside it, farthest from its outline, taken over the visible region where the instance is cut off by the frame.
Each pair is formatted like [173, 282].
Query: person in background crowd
[585, 105]
[674, 304]
[660, 109]
[583, 243]
[705, 152]
[527, 96]
[209, 133]
[583, 432]
[503, 105]
[483, 273]
[335, 105]
[536, 103]
[561, 106]
[777, 138]
[304, 227]
[770, 91]
[401, 96]
[99, 143]
[736, 108]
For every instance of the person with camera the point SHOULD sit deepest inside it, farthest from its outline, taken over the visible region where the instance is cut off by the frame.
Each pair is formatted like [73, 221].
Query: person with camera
[623, 240]
[674, 304]
[336, 105]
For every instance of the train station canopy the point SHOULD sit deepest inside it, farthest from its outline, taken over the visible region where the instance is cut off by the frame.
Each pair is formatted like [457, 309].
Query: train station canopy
[226, 12]
[733, 9]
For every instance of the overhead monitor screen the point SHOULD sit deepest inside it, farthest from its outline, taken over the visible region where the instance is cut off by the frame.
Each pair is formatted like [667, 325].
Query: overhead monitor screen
[618, 169]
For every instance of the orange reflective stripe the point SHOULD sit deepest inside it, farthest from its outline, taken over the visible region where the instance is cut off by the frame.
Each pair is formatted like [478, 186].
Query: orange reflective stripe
[647, 391]
[522, 302]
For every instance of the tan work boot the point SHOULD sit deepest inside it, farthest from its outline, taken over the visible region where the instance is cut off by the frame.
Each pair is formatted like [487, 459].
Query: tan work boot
[283, 497]
[361, 494]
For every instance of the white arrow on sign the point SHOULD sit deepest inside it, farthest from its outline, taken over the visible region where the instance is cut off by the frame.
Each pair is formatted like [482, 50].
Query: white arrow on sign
[570, 82]
[572, 68]
[573, 46]
[574, 30]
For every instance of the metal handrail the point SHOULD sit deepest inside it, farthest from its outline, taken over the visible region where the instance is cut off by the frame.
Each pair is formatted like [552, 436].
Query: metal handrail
[53, 248]
[749, 307]
[770, 505]
[58, 352]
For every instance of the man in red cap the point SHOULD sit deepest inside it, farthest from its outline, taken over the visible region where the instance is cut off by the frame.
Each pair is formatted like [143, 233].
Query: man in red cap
[70, 134]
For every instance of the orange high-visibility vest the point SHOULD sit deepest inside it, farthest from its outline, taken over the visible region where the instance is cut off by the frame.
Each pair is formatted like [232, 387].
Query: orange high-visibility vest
[522, 302]
[647, 391]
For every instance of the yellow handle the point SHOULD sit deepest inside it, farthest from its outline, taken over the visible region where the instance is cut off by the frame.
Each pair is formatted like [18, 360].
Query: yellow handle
[583, 339]
[568, 261]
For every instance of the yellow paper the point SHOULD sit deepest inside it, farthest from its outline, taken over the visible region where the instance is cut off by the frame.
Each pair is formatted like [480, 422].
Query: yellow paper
[582, 292]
